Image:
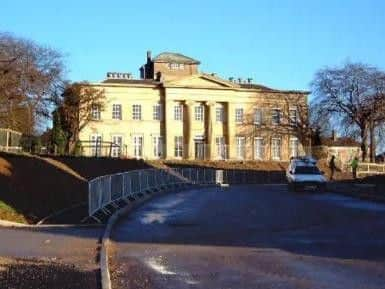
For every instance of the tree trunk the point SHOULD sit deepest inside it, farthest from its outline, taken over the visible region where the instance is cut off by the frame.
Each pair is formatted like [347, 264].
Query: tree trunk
[364, 138]
[372, 153]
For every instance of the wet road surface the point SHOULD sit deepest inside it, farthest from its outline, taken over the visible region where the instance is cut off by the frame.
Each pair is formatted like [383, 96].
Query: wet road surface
[251, 237]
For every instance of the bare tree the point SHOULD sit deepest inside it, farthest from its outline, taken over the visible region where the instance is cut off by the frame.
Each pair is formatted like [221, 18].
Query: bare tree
[28, 74]
[347, 94]
[79, 101]
[291, 118]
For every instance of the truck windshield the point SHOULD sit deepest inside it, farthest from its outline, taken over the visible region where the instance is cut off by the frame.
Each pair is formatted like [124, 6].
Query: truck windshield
[308, 170]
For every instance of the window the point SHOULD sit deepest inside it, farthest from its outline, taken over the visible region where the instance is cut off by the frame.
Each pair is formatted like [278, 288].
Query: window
[239, 115]
[241, 141]
[157, 142]
[293, 116]
[96, 145]
[276, 116]
[276, 148]
[178, 146]
[117, 142]
[116, 111]
[157, 112]
[178, 112]
[221, 147]
[137, 112]
[258, 116]
[95, 112]
[199, 113]
[176, 66]
[259, 148]
[293, 147]
[137, 141]
[219, 114]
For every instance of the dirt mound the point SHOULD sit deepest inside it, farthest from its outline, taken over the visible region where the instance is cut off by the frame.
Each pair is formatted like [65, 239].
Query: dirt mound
[34, 187]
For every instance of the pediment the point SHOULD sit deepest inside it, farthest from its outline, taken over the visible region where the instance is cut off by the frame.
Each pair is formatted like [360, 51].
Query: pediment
[201, 81]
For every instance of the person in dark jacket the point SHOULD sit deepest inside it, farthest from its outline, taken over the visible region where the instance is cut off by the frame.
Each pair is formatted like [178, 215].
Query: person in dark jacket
[332, 167]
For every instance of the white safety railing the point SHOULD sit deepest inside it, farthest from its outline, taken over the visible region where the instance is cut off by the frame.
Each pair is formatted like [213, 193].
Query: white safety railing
[110, 189]
[366, 169]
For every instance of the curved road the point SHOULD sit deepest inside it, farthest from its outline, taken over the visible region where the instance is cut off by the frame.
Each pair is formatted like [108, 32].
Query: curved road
[250, 237]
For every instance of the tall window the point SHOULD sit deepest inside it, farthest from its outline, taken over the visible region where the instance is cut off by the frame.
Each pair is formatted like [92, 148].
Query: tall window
[293, 116]
[95, 112]
[199, 113]
[276, 148]
[221, 147]
[178, 112]
[157, 142]
[117, 143]
[157, 112]
[219, 114]
[178, 152]
[137, 142]
[276, 116]
[241, 142]
[137, 112]
[96, 145]
[293, 147]
[116, 111]
[257, 116]
[259, 148]
[239, 115]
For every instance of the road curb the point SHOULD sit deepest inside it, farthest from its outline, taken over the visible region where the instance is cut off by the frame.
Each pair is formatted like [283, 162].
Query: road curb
[9, 224]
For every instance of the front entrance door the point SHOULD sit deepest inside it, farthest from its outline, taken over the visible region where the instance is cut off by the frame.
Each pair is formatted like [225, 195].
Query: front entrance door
[199, 148]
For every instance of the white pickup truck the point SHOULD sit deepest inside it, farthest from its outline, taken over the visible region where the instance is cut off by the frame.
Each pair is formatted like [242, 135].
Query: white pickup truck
[303, 174]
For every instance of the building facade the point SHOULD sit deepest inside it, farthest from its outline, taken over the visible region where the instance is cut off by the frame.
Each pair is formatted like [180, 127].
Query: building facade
[175, 112]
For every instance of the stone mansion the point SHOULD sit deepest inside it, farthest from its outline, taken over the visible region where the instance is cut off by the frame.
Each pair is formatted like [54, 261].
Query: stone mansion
[176, 112]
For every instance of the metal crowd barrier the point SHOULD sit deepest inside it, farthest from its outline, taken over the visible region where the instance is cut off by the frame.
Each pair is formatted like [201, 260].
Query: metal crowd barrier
[108, 190]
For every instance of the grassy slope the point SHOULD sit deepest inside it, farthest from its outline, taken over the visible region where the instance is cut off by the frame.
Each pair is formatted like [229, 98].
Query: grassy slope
[33, 187]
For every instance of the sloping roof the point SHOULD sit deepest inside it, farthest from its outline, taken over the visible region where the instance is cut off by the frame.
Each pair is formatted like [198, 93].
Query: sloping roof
[339, 142]
[171, 57]
[131, 81]
[255, 86]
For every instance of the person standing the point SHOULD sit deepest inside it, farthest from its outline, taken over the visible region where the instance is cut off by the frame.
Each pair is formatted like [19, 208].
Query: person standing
[332, 167]
[354, 165]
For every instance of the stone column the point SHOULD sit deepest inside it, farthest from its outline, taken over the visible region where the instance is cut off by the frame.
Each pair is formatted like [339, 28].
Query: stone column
[168, 121]
[188, 135]
[211, 153]
[231, 130]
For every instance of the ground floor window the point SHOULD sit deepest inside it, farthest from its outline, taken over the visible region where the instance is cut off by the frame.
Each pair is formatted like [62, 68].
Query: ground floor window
[221, 147]
[137, 141]
[96, 144]
[241, 142]
[116, 146]
[259, 148]
[293, 147]
[276, 148]
[178, 148]
[157, 143]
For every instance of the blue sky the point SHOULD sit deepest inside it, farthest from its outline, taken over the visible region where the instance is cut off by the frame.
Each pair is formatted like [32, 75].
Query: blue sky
[277, 43]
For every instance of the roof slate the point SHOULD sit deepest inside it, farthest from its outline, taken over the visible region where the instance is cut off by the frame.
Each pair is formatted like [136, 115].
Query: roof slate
[171, 57]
